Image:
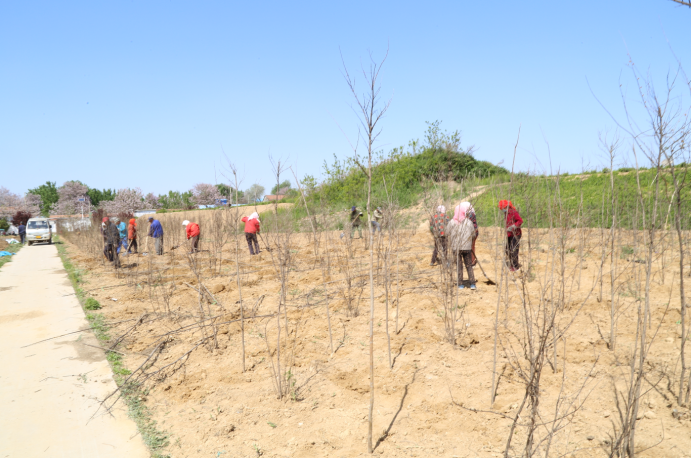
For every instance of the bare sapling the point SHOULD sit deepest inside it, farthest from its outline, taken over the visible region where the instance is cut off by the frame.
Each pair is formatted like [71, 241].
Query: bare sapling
[325, 267]
[371, 112]
[610, 147]
[544, 322]
[278, 243]
[680, 179]
[503, 268]
[234, 227]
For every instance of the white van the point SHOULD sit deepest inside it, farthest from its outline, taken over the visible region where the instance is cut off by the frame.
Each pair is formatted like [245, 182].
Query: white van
[38, 229]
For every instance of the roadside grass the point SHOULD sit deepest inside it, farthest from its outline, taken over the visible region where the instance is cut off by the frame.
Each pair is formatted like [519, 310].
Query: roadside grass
[12, 248]
[133, 394]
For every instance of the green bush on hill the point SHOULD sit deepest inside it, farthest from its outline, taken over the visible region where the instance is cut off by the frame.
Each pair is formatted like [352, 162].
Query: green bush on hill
[398, 175]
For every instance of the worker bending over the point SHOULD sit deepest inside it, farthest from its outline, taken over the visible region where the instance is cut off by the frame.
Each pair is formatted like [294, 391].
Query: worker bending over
[513, 222]
[192, 231]
[460, 232]
[252, 228]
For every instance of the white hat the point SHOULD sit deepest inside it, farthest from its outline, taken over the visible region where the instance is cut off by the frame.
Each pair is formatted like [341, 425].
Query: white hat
[185, 222]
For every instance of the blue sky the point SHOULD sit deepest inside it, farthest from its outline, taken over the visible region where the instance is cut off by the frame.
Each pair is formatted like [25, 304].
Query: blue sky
[146, 94]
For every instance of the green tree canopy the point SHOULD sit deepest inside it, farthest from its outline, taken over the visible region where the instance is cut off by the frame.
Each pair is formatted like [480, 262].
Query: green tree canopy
[285, 185]
[49, 196]
[97, 196]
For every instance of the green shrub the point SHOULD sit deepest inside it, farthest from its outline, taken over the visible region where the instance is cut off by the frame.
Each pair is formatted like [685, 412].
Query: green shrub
[91, 304]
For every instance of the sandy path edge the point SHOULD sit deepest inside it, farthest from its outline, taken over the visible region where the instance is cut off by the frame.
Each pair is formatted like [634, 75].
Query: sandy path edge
[51, 390]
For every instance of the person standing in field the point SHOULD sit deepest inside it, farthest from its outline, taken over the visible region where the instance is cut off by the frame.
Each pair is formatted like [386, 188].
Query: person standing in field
[252, 228]
[438, 228]
[132, 236]
[192, 232]
[122, 229]
[156, 231]
[375, 224]
[355, 222]
[21, 229]
[104, 235]
[112, 235]
[460, 233]
[471, 215]
[513, 222]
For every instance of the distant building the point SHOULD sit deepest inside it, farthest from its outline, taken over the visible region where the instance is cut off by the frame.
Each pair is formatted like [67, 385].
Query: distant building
[139, 213]
[273, 197]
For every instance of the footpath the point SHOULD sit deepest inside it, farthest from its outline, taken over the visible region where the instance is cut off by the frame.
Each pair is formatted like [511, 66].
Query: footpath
[50, 391]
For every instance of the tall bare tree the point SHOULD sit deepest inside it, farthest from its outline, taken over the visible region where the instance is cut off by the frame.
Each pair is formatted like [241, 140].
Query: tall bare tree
[370, 110]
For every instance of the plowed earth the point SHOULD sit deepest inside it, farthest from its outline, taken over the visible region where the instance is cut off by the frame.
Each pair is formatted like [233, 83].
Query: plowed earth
[212, 408]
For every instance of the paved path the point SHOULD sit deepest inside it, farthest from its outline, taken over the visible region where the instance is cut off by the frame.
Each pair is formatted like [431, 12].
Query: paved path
[45, 404]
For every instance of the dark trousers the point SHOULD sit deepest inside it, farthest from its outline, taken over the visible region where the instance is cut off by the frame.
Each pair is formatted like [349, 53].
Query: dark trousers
[132, 246]
[251, 239]
[463, 258]
[513, 251]
[473, 250]
[194, 244]
[111, 252]
[440, 247]
[22, 236]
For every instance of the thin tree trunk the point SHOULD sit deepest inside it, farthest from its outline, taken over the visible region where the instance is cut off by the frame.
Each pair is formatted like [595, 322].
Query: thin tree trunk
[613, 259]
[237, 276]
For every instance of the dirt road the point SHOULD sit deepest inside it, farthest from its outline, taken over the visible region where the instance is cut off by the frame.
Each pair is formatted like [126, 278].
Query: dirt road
[49, 391]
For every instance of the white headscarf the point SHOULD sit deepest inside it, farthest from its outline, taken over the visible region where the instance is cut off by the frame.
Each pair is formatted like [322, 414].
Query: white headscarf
[254, 215]
[441, 209]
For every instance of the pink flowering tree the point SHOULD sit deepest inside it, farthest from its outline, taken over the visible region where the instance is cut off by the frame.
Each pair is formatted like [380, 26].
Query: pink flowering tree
[32, 204]
[151, 201]
[10, 203]
[205, 194]
[126, 201]
[69, 195]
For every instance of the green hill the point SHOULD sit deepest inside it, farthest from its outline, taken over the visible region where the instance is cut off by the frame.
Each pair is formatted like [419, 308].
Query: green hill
[439, 171]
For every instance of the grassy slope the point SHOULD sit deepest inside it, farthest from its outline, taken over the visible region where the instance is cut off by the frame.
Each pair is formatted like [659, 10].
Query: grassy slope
[531, 195]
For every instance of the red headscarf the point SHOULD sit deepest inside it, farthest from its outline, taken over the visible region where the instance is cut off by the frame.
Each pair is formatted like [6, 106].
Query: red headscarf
[105, 219]
[505, 204]
[132, 222]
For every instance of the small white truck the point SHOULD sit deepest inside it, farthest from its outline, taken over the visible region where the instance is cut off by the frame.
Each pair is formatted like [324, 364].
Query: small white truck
[38, 229]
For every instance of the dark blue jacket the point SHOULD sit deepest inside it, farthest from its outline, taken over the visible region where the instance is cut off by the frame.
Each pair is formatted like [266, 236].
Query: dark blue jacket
[155, 229]
[21, 229]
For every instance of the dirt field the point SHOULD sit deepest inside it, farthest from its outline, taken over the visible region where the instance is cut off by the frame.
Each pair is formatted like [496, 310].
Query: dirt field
[213, 409]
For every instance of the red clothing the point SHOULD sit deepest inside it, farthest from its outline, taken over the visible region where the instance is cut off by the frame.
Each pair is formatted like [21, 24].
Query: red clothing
[132, 231]
[192, 230]
[513, 218]
[438, 224]
[251, 226]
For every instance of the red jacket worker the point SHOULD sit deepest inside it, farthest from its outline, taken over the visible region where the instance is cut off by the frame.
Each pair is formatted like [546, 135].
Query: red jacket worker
[192, 231]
